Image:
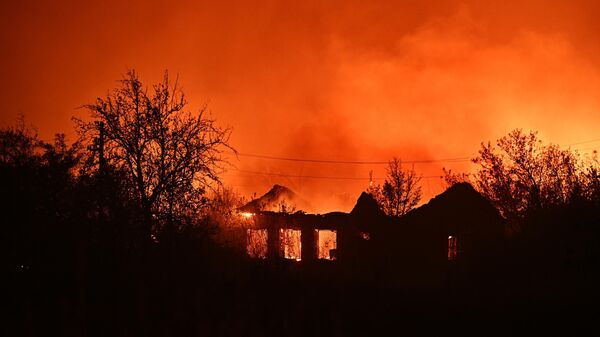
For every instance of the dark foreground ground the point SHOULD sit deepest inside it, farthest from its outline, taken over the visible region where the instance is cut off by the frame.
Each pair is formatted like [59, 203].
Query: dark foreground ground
[186, 291]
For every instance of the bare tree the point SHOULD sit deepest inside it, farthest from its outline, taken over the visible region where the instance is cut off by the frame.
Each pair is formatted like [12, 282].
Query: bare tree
[521, 174]
[400, 192]
[285, 206]
[169, 155]
[224, 218]
[19, 145]
[452, 178]
[590, 177]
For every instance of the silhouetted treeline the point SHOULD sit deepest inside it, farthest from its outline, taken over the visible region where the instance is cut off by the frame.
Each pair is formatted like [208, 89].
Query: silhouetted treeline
[521, 175]
[79, 263]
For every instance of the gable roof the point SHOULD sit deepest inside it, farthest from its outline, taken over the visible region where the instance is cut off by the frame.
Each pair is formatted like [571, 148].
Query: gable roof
[366, 207]
[459, 208]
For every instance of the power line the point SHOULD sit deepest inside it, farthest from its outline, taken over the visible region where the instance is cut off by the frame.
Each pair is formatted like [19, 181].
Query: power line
[449, 160]
[322, 161]
[317, 177]
[585, 142]
[354, 162]
[363, 162]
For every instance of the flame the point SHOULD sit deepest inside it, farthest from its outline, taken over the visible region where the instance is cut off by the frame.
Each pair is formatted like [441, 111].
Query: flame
[291, 243]
[326, 243]
[256, 243]
[247, 215]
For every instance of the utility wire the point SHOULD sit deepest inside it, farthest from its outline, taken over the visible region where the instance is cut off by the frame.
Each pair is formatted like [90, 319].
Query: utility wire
[360, 162]
[450, 160]
[453, 160]
[316, 177]
[585, 142]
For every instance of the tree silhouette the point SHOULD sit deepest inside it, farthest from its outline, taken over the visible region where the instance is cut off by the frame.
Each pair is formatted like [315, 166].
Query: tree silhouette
[400, 192]
[452, 178]
[169, 155]
[590, 177]
[521, 174]
[223, 218]
[19, 145]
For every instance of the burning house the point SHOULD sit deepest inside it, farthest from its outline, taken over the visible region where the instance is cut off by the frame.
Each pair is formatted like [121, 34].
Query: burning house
[301, 237]
[456, 227]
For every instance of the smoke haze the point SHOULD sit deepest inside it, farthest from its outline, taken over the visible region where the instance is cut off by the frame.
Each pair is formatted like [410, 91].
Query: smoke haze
[347, 81]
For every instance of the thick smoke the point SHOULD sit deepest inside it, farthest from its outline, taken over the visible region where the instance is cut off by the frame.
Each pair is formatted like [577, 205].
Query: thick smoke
[337, 81]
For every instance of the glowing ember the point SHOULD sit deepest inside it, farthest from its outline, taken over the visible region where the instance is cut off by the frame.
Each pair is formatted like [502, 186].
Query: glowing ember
[256, 243]
[326, 244]
[291, 243]
[246, 215]
[452, 248]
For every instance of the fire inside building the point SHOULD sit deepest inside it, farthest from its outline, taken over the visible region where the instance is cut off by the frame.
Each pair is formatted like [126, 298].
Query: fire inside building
[457, 226]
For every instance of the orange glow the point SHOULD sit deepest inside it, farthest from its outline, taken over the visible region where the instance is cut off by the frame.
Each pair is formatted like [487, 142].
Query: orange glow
[326, 244]
[246, 215]
[335, 80]
[256, 243]
[291, 243]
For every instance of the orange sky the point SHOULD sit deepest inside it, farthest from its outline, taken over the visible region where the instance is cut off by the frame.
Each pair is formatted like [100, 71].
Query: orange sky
[347, 80]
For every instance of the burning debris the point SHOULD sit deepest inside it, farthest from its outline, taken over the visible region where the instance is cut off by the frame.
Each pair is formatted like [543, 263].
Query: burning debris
[256, 243]
[426, 236]
[326, 244]
[291, 243]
